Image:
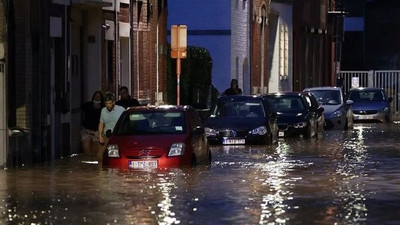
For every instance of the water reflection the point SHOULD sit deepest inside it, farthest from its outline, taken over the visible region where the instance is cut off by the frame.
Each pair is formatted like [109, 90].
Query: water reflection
[274, 204]
[345, 177]
[351, 186]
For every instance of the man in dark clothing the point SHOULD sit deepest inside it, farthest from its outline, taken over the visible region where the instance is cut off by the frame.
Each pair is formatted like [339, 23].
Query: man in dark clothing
[126, 100]
[234, 89]
[90, 123]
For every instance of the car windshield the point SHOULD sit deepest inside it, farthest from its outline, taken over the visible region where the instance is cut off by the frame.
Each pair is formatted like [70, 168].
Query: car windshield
[238, 108]
[151, 122]
[366, 95]
[327, 97]
[286, 104]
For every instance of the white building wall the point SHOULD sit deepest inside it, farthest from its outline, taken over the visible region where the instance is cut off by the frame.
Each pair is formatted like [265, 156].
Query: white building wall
[278, 82]
[92, 50]
[240, 43]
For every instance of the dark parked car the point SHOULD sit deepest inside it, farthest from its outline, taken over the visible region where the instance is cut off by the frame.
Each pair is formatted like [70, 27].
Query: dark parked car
[370, 104]
[155, 137]
[317, 109]
[241, 120]
[295, 117]
[337, 112]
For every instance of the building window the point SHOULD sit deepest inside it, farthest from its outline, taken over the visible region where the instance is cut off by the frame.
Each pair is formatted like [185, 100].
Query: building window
[283, 49]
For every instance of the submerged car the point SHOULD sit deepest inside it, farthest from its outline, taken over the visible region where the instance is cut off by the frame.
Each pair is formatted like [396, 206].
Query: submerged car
[338, 113]
[370, 104]
[295, 117]
[156, 137]
[241, 120]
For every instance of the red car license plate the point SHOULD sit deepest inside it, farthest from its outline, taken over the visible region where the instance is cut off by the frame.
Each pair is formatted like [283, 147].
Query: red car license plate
[151, 164]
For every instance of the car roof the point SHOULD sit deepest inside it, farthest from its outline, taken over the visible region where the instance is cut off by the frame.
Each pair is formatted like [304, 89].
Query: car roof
[159, 108]
[322, 88]
[239, 97]
[367, 88]
[284, 94]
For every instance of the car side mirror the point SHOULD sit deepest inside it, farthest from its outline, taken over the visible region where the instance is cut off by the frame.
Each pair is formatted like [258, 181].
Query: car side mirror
[108, 133]
[390, 99]
[349, 102]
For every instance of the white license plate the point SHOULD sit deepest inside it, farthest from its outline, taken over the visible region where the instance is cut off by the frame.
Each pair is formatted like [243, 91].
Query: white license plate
[143, 164]
[231, 141]
[281, 134]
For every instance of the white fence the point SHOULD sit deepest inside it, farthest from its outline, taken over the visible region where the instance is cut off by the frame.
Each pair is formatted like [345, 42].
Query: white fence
[386, 79]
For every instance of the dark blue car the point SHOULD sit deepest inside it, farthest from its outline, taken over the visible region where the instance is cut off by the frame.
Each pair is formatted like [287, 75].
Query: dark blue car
[241, 120]
[295, 117]
[370, 104]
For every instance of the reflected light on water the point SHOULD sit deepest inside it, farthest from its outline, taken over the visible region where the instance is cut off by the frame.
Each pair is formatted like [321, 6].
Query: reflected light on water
[274, 206]
[351, 190]
[166, 215]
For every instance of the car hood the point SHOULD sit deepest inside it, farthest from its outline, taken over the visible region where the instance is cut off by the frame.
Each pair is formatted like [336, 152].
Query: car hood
[235, 123]
[369, 105]
[291, 118]
[148, 141]
[329, 109]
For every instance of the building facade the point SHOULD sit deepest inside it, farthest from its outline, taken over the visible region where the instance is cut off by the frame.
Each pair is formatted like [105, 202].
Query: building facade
[57, 53]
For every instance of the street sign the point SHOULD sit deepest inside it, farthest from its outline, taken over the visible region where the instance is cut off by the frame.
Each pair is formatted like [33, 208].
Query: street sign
[178, 51]
[178, 41]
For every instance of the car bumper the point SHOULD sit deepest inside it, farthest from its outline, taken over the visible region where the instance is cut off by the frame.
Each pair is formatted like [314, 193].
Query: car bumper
[147, 163]
[218, 140]
[291, 132]
[380, 117]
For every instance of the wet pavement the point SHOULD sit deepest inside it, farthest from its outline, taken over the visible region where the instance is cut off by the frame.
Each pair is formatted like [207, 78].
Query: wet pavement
[343, 177]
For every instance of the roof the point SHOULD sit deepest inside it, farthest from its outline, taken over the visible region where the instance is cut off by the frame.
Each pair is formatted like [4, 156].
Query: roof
[239, 97]
[283, 94]
[367, 89]
[159, 108]
[322, 88]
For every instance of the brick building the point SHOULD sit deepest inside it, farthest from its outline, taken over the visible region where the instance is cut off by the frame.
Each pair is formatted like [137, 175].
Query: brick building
[57, 53]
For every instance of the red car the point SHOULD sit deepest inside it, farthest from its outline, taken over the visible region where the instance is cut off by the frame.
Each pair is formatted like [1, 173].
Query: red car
[149, 137]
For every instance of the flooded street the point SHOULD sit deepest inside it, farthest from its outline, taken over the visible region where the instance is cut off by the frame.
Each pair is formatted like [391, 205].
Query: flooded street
[343, 177]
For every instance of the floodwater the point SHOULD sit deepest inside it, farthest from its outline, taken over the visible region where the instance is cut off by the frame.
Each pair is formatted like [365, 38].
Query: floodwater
[344, 177]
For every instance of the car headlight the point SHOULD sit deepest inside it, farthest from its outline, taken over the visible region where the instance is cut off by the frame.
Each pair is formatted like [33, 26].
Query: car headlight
[300, 125]
[337, 113]
[259, 130]
[113, 151]
[210, 132]
[176, 149]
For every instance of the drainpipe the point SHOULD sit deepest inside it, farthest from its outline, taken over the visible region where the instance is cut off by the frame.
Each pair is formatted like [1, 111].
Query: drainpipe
[3, 112]
[157, 64]
[117, 74]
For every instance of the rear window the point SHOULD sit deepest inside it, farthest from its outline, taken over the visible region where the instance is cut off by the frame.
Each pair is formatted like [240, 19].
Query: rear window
[327, 97]
[151, 122]
[286, 104]
[367, 95]
[238, 108]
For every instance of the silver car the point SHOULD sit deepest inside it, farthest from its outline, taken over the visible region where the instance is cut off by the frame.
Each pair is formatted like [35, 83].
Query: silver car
[338, 113]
